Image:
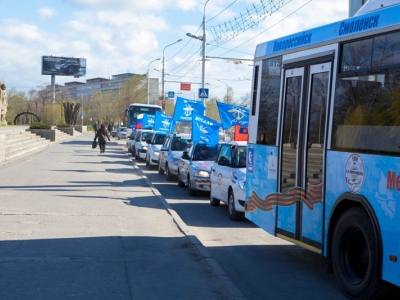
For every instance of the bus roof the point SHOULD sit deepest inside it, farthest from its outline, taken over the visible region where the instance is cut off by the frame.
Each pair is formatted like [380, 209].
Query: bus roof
[144, 105]
[383, 19]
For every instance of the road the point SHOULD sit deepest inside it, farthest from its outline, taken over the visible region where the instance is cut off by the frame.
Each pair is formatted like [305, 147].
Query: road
[260, 265]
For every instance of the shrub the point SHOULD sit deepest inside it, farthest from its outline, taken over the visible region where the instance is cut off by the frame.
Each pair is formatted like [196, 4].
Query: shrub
[63, 125]
[40, 125]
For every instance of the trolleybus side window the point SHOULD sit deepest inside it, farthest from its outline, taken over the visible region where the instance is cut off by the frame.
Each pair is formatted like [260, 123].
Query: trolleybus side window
[367, 105]
[269, 101]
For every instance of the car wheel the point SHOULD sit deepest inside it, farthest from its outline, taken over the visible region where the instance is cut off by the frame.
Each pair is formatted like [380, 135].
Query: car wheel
[168, 174]
[180, 182]
[191, 192]
[213, 201]
[356, 255]
[160, 171]
[234, 215]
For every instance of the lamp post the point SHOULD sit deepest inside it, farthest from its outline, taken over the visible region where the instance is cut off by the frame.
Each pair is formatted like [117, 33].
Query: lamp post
[162, 83]
[203, 40]
[148, 83]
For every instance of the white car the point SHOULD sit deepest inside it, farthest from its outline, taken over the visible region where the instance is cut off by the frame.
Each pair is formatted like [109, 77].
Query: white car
[171, 152]
[153, 148]
[195, 167]
[228, 178]
[122, 133]
[140, 147]
[129, 141]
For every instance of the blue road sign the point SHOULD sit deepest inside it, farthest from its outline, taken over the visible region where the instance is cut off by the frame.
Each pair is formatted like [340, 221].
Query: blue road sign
[171, 94]
[203, 93]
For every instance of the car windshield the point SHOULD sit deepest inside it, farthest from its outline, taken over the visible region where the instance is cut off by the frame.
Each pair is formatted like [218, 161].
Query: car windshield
[205, 152]
[146, 135]
[179, 143]
[159, 139]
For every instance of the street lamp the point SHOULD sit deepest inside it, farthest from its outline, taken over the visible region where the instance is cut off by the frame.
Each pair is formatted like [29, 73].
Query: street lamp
[162, 83]
[203, 39]
[148, 83]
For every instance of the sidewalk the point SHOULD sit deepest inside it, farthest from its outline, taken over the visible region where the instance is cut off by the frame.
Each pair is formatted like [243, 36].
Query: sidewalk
[77, 224]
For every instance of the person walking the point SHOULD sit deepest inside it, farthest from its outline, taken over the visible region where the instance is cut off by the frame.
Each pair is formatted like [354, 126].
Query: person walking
[103, 135]
[109, 128]
[95, 127]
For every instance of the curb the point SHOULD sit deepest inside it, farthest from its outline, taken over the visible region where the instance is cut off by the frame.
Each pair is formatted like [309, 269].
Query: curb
[230, 287]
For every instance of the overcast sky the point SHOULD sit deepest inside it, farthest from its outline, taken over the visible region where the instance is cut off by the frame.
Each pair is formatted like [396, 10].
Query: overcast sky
[118, 36]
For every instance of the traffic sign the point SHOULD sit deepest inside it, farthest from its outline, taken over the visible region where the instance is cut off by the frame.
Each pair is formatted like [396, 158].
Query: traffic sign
[203, 93]
[171, 94]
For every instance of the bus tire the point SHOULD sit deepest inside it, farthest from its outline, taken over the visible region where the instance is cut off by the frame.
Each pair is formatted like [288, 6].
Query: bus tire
[355, 255]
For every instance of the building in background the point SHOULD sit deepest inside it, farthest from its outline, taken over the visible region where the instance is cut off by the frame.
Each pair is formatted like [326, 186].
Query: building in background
[77, 89]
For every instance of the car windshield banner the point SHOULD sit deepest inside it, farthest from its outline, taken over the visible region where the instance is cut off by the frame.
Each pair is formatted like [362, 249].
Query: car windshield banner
[185, 107]
[233, 115]
[204, 130]
[163, 122]
[148, 121]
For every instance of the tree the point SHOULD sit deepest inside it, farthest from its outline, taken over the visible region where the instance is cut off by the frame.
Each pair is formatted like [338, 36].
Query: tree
[71, 110]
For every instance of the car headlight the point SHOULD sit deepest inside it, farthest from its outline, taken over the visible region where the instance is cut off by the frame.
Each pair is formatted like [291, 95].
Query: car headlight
[144, 148]
[156, 153]
[242, 184]
[202, 174]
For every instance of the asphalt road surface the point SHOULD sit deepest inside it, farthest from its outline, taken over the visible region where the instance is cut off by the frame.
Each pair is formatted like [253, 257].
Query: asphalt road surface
[260, 265]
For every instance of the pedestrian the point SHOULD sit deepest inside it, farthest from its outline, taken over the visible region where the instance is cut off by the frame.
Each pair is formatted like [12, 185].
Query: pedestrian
[95, 127]
[109, 128]
[103, 136]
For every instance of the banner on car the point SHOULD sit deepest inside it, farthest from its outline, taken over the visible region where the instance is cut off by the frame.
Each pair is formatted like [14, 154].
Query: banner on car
[232, 115]
[185, 107]
[204, 129]
[163, 123]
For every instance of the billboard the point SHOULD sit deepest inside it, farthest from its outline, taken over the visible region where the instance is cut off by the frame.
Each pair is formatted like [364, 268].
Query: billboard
[64, 66]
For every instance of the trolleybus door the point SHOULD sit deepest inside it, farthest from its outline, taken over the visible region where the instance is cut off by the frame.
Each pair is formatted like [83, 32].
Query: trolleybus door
[302, 172]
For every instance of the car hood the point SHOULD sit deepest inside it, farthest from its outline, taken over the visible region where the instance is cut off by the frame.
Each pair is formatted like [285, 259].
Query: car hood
[176, 154]
[240, 173]
[156, 147]
[203, 165]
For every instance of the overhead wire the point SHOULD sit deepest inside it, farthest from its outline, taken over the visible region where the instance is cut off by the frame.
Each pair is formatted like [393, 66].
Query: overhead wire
[190, 54]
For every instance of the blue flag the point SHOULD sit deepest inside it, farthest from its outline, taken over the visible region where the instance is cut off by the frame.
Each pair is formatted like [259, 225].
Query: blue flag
[163, 123]
[232, 115]
[204, 130]
[185, 107]
[148, 121]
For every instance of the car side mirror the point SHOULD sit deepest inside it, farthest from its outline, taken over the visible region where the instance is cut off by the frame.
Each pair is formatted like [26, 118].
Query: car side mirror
[185, 155]
[223, 161]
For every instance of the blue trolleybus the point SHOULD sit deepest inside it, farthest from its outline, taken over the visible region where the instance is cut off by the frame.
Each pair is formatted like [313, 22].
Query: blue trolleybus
[323, 165]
